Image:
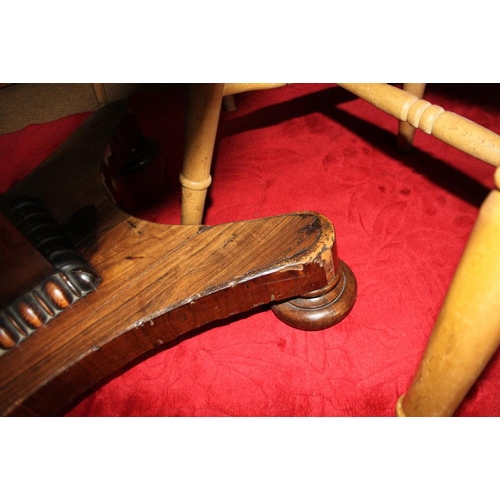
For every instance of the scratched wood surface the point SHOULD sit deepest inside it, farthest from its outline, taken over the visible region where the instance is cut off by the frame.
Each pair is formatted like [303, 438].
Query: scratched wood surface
[158, 281]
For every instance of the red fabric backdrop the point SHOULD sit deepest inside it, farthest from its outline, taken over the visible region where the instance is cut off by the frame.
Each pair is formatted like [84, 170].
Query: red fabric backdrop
[401, 221]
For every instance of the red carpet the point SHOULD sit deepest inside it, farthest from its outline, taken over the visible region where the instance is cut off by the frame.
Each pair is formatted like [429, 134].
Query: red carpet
[401, 221]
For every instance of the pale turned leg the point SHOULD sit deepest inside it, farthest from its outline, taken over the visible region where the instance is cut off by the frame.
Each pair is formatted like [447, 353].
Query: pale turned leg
[454, 130]
[202, 119]
[100, 94]
[406, 131]
[229, 103]
[467, 331]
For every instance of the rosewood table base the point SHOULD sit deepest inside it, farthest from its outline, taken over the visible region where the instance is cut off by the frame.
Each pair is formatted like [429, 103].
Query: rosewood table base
[153, 282]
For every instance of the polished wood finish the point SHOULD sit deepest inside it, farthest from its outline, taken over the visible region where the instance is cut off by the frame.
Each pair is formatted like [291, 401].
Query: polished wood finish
[158, 281]
[446, 126]
[322, 308]
[467, 331]
[406, 132]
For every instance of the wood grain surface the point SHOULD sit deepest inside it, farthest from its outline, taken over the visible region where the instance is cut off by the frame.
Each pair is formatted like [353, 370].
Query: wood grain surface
[158, 281]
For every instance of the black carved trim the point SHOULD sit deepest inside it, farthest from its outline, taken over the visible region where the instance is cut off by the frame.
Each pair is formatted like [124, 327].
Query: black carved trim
[73, 280]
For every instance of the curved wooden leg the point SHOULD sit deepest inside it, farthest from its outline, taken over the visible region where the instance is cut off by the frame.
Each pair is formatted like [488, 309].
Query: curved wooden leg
[467, 331]
[202, 119]
[163, 281]
[157, 281]
[100, 94]
[406, 132]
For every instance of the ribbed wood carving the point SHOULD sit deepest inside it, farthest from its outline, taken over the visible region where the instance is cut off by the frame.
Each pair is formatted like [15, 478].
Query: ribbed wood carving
[73, 277]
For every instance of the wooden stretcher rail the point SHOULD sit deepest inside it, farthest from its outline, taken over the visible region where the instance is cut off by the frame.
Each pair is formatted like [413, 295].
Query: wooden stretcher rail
[452, 129]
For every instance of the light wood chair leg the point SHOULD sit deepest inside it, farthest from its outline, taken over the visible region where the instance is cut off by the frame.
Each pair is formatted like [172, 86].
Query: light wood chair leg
[406, 132]
[202, 119]
[100, 94]
[454, 130]
[467, 331]
[229, 103]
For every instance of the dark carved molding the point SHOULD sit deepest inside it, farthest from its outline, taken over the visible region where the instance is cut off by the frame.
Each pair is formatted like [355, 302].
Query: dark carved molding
[72, 280]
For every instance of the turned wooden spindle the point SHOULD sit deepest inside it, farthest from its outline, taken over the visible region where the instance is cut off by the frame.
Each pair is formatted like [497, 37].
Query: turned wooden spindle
[204, 102]
[203, 108]
[406, 132]
[446, 126]
[467, 331]
[100, 94]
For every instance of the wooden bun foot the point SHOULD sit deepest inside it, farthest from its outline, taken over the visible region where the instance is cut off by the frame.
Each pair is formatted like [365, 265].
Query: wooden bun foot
[323, 308]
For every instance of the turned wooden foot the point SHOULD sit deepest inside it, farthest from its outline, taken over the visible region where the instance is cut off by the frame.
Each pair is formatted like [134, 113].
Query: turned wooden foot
[322, 308]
